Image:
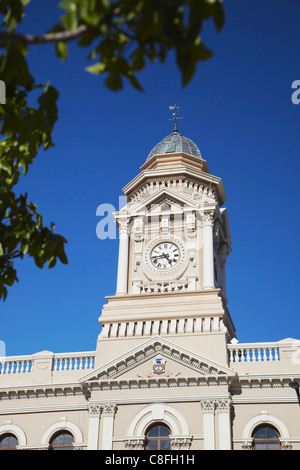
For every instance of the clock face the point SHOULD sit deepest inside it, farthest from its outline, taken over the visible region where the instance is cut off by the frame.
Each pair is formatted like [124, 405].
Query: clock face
[165, 255]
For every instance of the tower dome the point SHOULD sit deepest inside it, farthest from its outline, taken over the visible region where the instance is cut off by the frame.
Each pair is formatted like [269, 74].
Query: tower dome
[175, 143]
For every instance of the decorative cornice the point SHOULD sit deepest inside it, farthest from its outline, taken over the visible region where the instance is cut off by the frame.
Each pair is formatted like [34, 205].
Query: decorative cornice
[199, 177]
[208, 370]
[161, 382]
[42, 408]
[42, 391]
[262, 381]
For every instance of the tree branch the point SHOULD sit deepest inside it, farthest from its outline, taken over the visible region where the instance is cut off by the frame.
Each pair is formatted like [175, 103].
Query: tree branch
[9, 256]
[64, 36]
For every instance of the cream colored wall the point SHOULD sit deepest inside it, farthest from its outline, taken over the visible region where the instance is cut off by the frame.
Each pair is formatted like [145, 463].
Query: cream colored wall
[35, 424]
[191, 411]
[206, 306]
[280, 415]
[152, 231]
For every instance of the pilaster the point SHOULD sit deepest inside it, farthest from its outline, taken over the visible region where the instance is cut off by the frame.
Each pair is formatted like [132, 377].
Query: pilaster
[122, 280]
[208, 408]
[108, 416]
[208, 250]
[94, 424]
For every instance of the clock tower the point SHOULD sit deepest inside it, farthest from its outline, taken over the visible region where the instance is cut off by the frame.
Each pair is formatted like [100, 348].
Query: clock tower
[174, 240]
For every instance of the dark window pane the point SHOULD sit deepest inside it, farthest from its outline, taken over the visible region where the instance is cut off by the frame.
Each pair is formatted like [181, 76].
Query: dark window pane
[63, 439]
[260, 433]
[271, 433]
[4, 442]
[273, 446]
[8, 441]
[58, 440]
[63, 448]
[261, 445]
[164, 431]
[154, 432]
[266, 438]
[165, 444]
[152, 444]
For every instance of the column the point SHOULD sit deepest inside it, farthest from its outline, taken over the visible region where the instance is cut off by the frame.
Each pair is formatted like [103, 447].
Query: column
[108, 416]
[208, 250]
[94, 422]
[224, 422]
[123, 257]
[208, 407]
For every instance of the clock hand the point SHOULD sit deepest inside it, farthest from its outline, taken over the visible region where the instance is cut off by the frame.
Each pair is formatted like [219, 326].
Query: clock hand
[156, 256]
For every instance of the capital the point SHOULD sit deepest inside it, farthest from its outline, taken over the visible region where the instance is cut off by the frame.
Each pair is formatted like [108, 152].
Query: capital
[109, 409]
[209, 217]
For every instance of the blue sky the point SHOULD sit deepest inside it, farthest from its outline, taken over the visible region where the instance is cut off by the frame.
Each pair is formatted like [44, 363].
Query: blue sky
[237, 109]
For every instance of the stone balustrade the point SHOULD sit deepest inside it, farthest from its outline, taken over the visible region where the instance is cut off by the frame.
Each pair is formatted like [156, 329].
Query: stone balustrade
[16, 365]
[68, 362]
[60, 362]
[163, 286]
[254, 352]
[73, 361]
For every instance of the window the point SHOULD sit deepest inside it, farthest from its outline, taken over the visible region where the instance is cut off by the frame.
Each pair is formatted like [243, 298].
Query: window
[8, 442]
[158, 438]
[266, 437]
[62, 441]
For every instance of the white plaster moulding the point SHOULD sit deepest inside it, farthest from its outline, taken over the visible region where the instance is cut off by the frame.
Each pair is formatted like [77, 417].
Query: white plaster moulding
[38, 391]
[161, 383]
[264, 381]
[44, 408]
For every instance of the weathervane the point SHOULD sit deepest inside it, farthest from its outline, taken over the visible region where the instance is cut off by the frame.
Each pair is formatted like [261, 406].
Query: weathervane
[175, 116]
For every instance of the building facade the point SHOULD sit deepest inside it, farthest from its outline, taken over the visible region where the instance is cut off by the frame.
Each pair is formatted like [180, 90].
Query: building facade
[168, 371]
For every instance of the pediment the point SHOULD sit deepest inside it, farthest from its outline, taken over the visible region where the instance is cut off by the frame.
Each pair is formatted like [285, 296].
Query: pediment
[175, 200]
[177, 364]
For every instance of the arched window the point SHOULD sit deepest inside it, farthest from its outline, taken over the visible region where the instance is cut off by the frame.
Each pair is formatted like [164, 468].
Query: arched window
[62, 440]
[266, 437]
[158, 437]
[8, 442]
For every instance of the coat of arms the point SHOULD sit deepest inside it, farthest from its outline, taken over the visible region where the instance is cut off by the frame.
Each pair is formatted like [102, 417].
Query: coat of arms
[159, 366]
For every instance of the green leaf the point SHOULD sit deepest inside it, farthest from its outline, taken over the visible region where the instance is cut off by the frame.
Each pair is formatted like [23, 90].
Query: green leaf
[95, 69]
[138, 62]
[4, 165]
[62, 50]
[114, 81]
[134, 82]
[52, 262]
[70, 19]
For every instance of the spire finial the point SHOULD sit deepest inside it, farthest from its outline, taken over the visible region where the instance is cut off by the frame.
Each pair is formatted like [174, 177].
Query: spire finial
[175, 116]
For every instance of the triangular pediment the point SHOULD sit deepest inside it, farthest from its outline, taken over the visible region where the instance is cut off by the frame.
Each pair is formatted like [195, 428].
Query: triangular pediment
[175, 200]
[164, 204]
[159, 359]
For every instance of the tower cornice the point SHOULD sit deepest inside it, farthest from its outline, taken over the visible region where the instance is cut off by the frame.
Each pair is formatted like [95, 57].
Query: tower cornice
[166, 160]
[169, 174]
